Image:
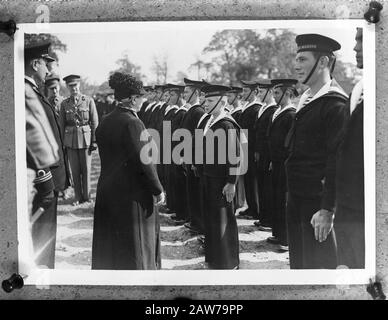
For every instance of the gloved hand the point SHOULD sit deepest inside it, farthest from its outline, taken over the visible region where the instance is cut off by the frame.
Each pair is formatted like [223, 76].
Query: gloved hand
[92, 147]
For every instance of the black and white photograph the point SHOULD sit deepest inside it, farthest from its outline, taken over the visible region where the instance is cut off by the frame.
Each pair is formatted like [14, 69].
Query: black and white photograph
[196, 152]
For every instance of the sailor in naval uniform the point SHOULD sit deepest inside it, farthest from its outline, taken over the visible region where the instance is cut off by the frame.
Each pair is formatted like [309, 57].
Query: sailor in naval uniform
[311, 166]
[220, 178]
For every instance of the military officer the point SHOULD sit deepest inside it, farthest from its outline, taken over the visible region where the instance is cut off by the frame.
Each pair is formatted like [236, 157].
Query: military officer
[44, 158]
[79, 121]
[311, 165]
[52, 88]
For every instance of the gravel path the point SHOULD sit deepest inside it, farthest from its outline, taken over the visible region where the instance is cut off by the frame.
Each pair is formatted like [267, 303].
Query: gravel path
[180, 248]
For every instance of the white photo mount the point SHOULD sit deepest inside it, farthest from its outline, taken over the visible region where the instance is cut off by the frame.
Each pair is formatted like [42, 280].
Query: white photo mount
[46, 277]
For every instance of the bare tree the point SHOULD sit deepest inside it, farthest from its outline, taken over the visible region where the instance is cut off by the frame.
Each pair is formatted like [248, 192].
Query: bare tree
[198, 64]
[160, 67]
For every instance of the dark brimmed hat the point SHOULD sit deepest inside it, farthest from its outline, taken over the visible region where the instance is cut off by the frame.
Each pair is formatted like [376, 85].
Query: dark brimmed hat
[175, 87]
[72, 79]
[285, 84]
[52, 80]
[264, 83]
[148, 88]
[214, 90]
[162, 87]
[194, 83]
[249, 84]
[37, 51]
[235, 89]
[316, 42]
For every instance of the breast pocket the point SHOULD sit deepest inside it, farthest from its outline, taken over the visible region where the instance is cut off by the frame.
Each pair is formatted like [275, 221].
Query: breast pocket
[69, 115]
[84, 113]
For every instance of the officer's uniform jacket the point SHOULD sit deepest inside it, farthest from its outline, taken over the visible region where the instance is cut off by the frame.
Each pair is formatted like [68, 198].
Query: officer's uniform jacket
[42, 148]
[79, 122]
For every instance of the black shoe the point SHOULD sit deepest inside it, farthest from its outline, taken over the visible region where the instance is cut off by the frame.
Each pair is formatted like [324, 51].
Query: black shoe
[179, 222]
[265, 228]
[191, 228]
[283, 248]
[245, 213]
[165, 210]
[272, 240]
[201, 239]
[257, 223]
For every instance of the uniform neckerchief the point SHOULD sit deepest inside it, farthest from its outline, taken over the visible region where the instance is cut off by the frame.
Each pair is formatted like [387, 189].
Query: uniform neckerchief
[263, 108]
[223, 114]
[238, 108]
[249, 104]
[280, 111]
[201, 119]
[330, 86]
[160, 103]
[170, 108]
[151, 104]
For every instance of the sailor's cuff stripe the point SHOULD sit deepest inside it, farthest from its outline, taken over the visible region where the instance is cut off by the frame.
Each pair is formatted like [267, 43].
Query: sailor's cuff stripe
[44, 178]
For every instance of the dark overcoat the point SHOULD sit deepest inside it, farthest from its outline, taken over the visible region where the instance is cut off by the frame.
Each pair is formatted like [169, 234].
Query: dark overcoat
[126, 226]
[44, 229]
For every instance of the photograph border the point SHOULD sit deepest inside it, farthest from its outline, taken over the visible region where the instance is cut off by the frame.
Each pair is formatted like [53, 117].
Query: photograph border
[45, 277]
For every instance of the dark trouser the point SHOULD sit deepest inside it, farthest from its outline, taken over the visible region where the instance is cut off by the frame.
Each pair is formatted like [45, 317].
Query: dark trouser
[264, 188]
[80, 163]
[350, 234]
[251, 189]
[160, 171]
[305, 251]
[169, 179]
[179, 188]
[221, 232]
[239, 199]
[44, 234]
[194, 200]
[279, 227]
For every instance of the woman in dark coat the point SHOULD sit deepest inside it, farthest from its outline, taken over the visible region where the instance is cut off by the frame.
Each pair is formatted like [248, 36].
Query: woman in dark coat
[126, 226]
